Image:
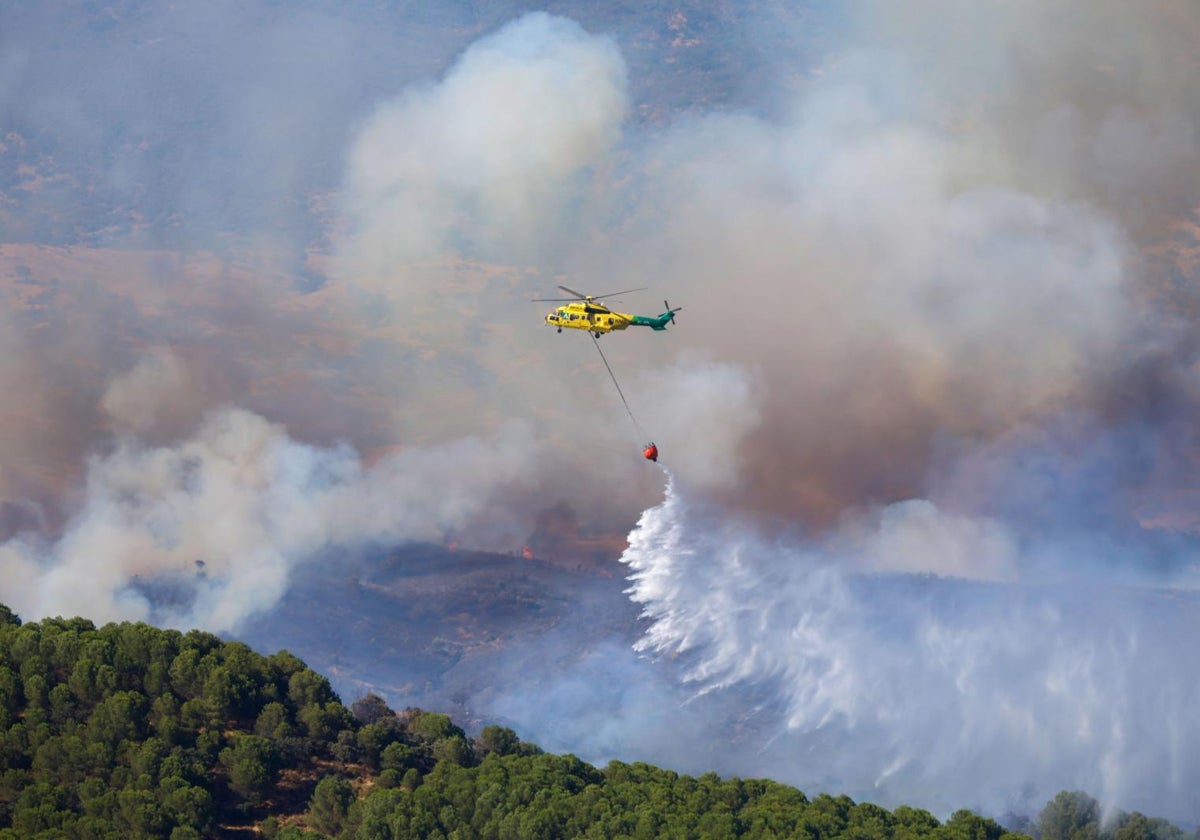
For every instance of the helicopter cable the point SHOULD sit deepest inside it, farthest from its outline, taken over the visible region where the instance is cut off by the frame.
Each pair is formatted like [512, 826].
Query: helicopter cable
[636, 424]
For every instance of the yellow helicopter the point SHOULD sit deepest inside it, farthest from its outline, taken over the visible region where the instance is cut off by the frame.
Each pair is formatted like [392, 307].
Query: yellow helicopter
[585, 312]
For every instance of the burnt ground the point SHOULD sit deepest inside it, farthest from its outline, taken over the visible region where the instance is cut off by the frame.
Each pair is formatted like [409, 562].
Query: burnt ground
[425, 625]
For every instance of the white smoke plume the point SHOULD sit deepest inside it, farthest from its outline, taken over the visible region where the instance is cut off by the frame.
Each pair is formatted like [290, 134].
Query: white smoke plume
[217, 523]
[485, 160]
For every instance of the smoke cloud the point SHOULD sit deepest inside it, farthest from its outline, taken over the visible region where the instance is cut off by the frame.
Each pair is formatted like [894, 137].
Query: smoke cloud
[947, 555]
[495, 152]
[159, 386]
[883, 304]
[214, 525]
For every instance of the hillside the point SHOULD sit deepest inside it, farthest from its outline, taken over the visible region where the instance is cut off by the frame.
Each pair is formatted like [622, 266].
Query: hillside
[131, 731]
[421, 624]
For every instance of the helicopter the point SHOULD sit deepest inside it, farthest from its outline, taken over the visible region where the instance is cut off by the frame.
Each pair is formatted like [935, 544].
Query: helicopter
[585, 312]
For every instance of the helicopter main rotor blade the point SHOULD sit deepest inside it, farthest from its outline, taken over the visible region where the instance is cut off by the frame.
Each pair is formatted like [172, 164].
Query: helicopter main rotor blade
[581, 296]
[611, 294]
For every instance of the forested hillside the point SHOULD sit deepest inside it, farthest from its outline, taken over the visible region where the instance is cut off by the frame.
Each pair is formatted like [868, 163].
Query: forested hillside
[128, 731]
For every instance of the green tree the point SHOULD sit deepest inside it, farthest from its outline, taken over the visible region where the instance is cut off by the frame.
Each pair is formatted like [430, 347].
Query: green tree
[455, 749]
[62, 704]
[432, 725]
[274, 722]
[186, 804]
[396, 756]
[233, 687]
[41, 807]
[871, 820]
[187, 673]
[200, 713]
[370, 709]
[1071, 815]
[330, 803]
[499, 740]
[913, 823]
[10, 697]
[139, 814]
[1137, 826]
[374, 738]
[279, 668]
[307, 687]
[35, 688]
[63, 760]
[964, 825]
[121, 717]
[323, 721]
[164, 717]
[252, 763]
[92, 679]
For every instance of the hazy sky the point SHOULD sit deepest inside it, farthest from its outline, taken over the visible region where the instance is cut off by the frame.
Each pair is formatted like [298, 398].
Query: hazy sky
[937, 269]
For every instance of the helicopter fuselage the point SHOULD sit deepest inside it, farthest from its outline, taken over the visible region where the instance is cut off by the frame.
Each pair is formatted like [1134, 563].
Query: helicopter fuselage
[598, 319]
[591, 317]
